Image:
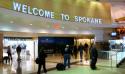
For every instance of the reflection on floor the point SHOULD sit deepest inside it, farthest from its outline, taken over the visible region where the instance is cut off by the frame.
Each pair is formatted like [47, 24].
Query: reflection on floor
[29, 67]
[75, 69]
[122, 64]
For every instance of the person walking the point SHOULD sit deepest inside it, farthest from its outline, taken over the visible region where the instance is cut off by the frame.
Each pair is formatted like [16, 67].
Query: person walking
[86, 55]
[42, 62]
[93, 57]
[18, 50]
[75, 51]
[67, 53]
[81, 47]
[9, 53]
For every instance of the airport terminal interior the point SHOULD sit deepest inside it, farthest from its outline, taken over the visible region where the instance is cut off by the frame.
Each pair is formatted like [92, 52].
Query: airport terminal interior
[52, 25]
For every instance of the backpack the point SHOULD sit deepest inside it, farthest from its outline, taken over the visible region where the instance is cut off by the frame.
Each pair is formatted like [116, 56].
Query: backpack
[37, 60]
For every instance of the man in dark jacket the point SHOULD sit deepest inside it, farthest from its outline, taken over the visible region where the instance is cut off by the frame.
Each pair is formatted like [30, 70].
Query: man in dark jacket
[93, 57]
[42, 61]
[18, 50]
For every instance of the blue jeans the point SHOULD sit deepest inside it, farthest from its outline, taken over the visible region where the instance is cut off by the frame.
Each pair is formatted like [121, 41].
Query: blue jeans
[67, 60]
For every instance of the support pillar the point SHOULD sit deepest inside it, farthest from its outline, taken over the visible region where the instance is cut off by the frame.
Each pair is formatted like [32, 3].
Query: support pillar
[1, 46]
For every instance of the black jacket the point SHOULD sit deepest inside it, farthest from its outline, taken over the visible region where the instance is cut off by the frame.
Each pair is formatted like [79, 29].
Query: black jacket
[18, 49]
[93, 53]
[42, 56]
[67, 50]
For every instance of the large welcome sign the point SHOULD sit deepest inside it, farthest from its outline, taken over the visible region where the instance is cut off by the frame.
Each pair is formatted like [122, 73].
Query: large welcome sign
[65, 10]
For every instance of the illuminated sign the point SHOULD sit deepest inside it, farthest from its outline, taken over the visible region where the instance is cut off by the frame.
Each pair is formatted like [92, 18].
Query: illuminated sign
[92, 12]
[35, 11]
[49, 14]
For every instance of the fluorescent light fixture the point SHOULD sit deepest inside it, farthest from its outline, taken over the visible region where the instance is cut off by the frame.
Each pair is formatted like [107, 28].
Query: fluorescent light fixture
[73, 32]
[44, 31]
[6, 29]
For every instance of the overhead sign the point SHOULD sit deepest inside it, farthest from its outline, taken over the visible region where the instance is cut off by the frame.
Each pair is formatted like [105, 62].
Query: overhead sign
[87, 12]
[49, 14]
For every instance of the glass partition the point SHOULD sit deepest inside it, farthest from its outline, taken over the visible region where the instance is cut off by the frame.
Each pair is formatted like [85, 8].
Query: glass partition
[116, 53]
[107, 58]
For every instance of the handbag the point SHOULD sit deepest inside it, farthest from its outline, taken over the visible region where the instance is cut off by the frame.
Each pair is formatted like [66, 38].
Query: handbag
[37, 60]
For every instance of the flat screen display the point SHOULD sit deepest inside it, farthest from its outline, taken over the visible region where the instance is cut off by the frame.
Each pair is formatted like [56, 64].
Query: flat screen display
[113, 34]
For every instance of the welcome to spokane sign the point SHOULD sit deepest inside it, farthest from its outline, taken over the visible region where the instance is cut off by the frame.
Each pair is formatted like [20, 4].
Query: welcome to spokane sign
[85, 12]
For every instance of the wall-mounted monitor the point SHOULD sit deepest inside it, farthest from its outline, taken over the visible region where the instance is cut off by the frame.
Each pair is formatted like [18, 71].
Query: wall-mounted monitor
[114, 34]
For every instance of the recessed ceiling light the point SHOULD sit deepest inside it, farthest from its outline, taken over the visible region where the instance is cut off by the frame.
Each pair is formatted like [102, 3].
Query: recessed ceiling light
[31, 24]
[63, 27]
[11, 22]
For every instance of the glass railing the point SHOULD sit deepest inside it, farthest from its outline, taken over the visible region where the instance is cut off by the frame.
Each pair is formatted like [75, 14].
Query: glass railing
[110, 58]
[105, 58]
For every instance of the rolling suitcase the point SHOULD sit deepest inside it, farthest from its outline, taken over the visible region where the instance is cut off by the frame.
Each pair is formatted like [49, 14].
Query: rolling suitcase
[60, 66]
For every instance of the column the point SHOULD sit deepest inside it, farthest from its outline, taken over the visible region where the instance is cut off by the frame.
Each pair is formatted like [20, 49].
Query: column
[1, 46]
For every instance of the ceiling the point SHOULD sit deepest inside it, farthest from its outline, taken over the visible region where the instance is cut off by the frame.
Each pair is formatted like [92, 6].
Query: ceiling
[117, 9]
[18, 22]
[120, 19]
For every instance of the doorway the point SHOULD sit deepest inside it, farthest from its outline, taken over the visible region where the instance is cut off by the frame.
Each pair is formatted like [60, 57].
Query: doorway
[54, 45]
[27, 47]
